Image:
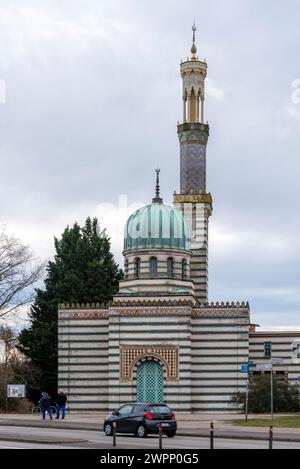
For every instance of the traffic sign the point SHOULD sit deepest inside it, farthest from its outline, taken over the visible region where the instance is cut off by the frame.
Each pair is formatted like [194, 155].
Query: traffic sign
[298, 379]
[245, 369]
[250, 363]
[277, 361]
[263, 367]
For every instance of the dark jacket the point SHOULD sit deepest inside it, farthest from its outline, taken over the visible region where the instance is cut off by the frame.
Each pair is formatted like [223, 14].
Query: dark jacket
[61, 399]
[44, 402]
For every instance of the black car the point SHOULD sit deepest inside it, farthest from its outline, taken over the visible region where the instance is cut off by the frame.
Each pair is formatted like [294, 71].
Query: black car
[141, 419]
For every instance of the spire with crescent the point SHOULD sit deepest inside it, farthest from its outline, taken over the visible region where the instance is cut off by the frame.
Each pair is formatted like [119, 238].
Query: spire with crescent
[157, 199]
[194, 48]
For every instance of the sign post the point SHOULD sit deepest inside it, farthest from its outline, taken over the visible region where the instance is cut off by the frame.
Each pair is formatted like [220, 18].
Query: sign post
[15, 390]
[245, 369]
[274, 361]
[269, 367]
[272, 393]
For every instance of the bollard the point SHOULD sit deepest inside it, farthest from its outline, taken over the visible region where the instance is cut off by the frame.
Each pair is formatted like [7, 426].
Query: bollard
[160, 436]
[271, 438]
[114, 434]
[212, 435]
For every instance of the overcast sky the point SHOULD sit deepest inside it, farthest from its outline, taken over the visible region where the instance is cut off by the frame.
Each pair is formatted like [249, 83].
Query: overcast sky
[90, 97]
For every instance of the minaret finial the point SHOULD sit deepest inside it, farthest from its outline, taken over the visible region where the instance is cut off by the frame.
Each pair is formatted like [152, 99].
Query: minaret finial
[194, 48]
[157, 199]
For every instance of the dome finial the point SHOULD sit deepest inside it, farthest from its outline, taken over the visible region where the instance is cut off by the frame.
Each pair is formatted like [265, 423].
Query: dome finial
[157, 199]
[194, 48]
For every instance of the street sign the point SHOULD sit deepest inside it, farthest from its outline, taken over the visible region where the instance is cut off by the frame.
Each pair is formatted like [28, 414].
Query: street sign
[250, 363]
[263, 367]
[298, 379]
[245, 369]
[16, 390]
[277, 361]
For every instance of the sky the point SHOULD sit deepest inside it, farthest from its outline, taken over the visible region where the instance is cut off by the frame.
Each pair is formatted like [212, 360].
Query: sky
[90, 98]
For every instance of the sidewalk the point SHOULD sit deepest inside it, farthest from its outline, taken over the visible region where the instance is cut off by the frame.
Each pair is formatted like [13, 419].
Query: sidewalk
[188, 425]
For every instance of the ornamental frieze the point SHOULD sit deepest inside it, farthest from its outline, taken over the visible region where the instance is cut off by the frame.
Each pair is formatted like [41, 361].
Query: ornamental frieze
[132, 356]
[192, 198]
[220, 313]
[160, 311]
[85, 314]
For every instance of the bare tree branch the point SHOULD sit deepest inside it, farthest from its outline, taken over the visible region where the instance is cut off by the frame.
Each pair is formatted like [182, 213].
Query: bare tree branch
[19, 272]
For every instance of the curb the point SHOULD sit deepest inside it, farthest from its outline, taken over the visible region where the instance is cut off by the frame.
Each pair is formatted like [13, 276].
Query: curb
[44, 441]
[233, 436]
[98, 428]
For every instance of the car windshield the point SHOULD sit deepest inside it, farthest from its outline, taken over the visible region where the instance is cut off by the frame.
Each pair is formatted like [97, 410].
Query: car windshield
[159, 409]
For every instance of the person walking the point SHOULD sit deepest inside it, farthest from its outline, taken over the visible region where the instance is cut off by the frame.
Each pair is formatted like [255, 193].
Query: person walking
[61, 404]
[45, 405]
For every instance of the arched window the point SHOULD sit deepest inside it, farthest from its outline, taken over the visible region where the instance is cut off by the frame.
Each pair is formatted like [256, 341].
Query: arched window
[184, 268]
[170, 267]
[137, 267]
[153, 267]
[126, 268]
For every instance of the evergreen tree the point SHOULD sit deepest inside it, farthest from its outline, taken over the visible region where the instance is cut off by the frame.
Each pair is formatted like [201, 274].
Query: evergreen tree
[83, 271]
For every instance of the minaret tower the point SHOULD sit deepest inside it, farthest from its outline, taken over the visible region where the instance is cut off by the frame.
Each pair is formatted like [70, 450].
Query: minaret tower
[193, 200]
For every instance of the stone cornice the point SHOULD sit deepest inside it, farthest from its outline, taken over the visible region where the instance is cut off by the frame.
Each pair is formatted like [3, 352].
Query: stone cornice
[192, 198]
[193, 126]
[156, 252]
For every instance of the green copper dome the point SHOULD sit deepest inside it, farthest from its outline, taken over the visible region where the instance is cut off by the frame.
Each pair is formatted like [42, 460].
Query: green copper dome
[157, 226]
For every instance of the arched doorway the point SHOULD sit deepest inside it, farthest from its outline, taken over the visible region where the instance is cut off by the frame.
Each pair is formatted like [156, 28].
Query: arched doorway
[150, 382]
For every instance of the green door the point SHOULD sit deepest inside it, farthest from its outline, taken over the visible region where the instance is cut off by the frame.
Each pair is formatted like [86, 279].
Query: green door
[150, 382]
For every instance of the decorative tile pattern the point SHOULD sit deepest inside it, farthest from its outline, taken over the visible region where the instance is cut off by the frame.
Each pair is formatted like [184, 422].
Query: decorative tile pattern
[192, 167]
[150, 382]
[131, 356]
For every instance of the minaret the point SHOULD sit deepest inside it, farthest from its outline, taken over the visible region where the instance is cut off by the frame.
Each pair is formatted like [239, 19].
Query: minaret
[193, 200]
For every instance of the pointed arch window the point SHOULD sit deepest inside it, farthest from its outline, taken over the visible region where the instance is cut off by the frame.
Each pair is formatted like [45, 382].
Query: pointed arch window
[137, 267]
[126, 268]
[170, 267]
[184, 268]
[153, 267]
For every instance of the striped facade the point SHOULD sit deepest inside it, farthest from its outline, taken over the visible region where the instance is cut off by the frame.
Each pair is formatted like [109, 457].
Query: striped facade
[197, 209]
[220, 345]
[209, 344]
[285, 345]
[83, 358]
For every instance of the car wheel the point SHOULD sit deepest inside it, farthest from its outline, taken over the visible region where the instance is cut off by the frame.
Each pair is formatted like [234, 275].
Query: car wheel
[141, 431]
[108, 430]
[170, 434]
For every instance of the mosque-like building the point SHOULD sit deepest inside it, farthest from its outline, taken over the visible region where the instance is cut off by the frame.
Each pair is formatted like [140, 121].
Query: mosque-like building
[160, 340]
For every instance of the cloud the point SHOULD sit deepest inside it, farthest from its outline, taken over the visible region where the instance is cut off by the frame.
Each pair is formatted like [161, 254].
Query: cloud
[92, 102]
[213, 91]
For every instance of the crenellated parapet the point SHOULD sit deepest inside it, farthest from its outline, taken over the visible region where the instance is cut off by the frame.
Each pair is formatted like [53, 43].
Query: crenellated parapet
[222, 310]
[63, 306]
[226, 304]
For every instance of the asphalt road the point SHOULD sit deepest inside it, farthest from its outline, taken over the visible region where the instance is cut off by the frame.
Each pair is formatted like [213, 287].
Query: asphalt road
[47, 438]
